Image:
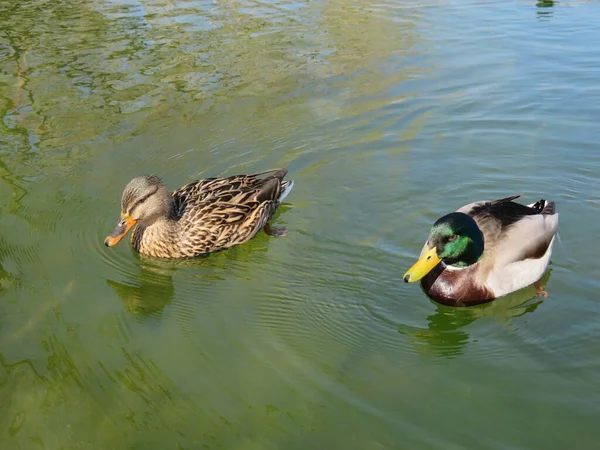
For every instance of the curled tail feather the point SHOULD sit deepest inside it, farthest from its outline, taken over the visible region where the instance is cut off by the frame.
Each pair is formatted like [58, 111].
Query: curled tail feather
[544, 207]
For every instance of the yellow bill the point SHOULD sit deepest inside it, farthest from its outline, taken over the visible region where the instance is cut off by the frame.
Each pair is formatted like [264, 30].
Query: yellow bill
[423, 266]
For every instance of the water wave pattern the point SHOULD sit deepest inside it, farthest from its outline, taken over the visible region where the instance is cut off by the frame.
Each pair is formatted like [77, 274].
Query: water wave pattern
[387, 115]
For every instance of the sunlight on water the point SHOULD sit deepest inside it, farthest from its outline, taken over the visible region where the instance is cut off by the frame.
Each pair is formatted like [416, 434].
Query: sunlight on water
[388, 115]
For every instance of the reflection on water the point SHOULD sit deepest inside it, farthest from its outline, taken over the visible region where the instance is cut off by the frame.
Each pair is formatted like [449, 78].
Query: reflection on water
[545, 9]
[446, 335]
[14, 255]
[7, 280]
[386, 114]
[148, 293]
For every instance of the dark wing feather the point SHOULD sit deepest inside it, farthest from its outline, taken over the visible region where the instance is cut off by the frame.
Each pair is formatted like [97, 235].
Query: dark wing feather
[521, 231]
[504, 210]
[270, 191]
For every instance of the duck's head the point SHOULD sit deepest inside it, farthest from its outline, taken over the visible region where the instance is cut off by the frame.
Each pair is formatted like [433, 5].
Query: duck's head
[454, 239]
[145, 199]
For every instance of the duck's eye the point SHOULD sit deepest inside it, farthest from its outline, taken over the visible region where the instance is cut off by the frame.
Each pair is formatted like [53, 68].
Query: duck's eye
[452, 238]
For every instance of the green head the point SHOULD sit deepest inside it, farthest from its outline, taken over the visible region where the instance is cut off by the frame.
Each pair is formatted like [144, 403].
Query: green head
[454, 239]
[457, 239]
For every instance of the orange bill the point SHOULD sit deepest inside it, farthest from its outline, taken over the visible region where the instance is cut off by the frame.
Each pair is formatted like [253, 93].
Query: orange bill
[119, 232]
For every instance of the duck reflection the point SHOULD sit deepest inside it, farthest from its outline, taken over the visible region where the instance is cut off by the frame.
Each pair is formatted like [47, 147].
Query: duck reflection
[7, 280]
[545, 9]
[446, 335]
[151, 288]
[149, 293]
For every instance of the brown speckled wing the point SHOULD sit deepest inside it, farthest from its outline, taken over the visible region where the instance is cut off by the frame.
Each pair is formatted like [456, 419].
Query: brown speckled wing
[229, 189]
[218, 213]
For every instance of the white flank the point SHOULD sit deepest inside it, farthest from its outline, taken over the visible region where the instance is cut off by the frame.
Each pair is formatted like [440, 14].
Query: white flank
[519, 274]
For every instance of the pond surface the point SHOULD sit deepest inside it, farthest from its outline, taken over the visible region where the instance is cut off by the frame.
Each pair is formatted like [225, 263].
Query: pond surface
[388, 115]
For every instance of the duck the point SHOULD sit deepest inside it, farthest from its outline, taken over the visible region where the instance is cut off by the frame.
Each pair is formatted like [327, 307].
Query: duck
[202, 217]
[486, 250]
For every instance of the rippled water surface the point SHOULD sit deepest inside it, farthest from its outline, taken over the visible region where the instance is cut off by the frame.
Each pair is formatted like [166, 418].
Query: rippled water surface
[388, 115]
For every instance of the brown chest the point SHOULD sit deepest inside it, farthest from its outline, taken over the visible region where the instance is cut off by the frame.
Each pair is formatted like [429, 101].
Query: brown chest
[156, 242]
[456, 287]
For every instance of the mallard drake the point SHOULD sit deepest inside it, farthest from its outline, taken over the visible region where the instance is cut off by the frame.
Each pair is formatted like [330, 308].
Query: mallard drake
[486, 250]
[201, 217]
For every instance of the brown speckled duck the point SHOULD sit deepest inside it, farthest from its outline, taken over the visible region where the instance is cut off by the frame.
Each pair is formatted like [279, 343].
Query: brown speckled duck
[201, 217]
[486, 250]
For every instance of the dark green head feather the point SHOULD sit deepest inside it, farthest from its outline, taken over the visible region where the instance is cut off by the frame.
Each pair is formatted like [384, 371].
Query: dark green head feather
[457, 238]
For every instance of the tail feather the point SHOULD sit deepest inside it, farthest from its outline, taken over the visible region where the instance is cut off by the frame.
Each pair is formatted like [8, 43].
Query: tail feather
[280, 174]
[549, 208]
[286, 188]
[544, 207]
[273, 184]
[505, 199]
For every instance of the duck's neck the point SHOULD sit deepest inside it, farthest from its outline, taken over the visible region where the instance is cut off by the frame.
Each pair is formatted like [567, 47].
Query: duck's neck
[158, 239]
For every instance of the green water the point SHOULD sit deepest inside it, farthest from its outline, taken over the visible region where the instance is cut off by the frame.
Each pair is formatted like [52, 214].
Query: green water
[388, 115]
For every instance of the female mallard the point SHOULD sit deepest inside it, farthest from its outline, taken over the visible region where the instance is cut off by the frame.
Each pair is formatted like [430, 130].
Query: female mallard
[201, 217]
[486, 250]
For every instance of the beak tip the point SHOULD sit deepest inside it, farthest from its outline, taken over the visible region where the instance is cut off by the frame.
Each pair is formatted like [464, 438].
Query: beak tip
[406, 278]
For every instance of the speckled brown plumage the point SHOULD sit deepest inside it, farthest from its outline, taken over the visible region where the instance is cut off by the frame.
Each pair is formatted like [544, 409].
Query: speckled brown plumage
[203, 216]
